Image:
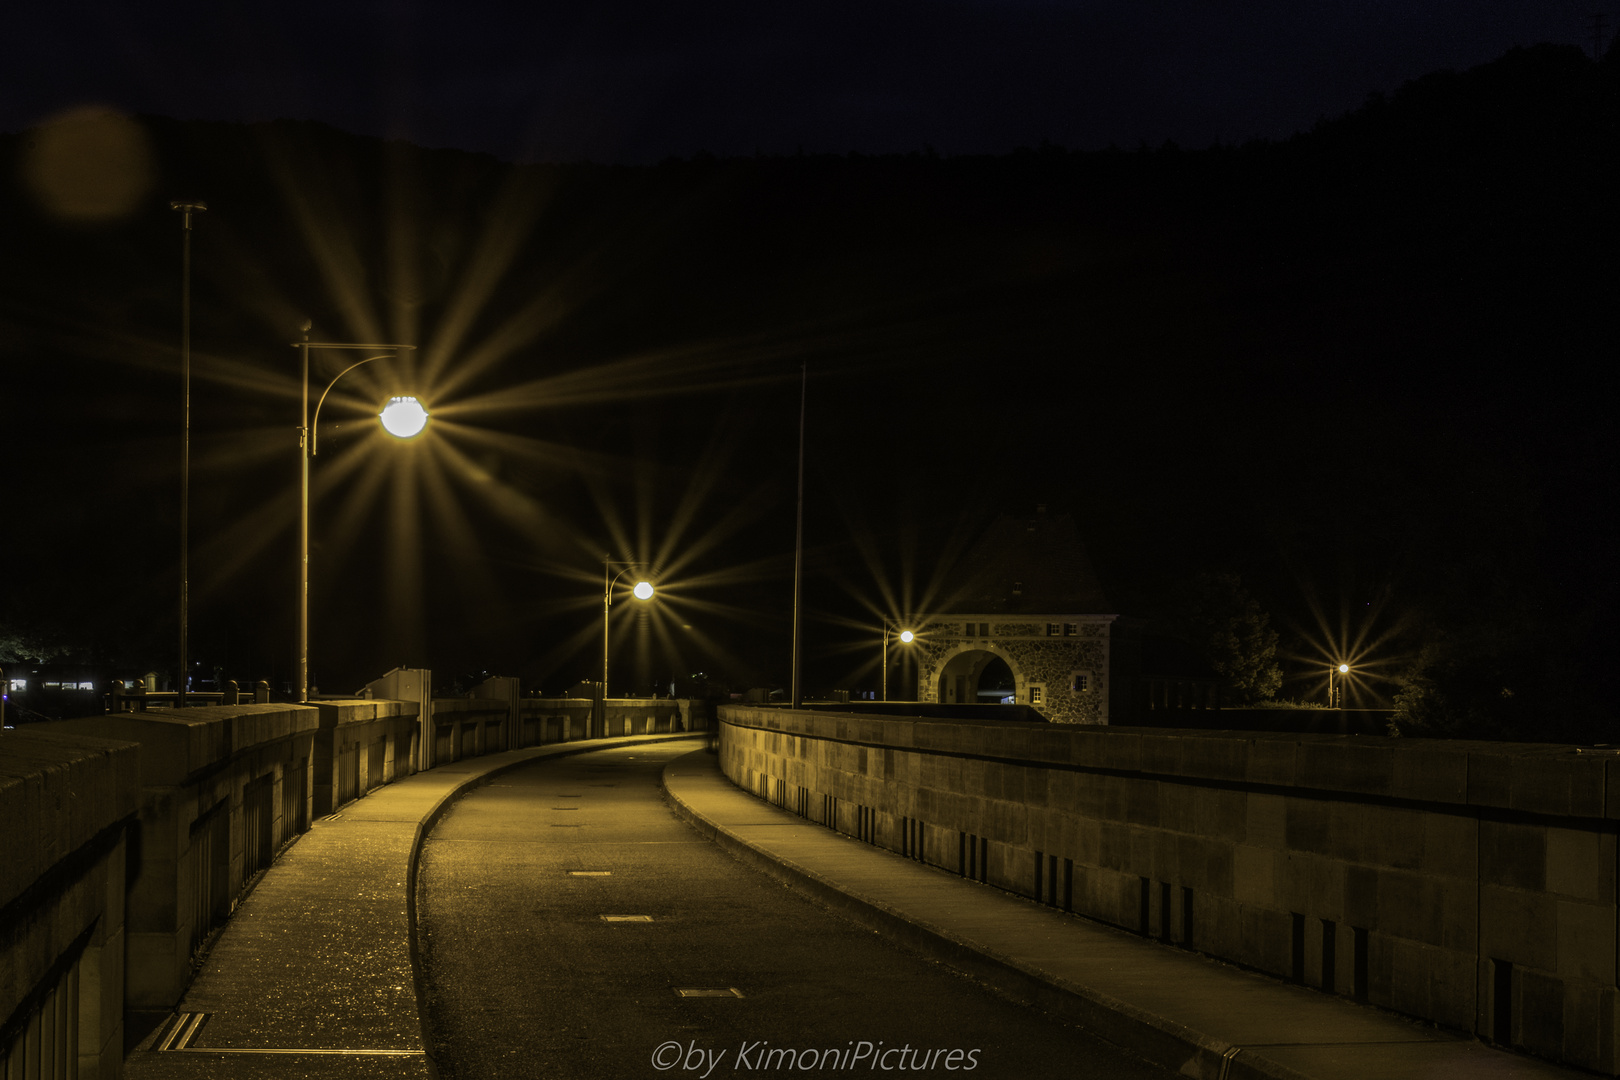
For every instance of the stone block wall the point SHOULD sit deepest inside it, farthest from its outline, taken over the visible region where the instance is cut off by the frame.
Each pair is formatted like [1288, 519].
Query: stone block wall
[1470, 884]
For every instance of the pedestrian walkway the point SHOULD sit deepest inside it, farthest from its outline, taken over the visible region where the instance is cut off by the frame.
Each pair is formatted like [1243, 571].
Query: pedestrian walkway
[314, 974]
[1193, 1014]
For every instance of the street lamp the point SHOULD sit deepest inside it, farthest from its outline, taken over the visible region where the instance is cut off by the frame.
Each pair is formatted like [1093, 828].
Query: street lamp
[1336, 692]
[906, 638]
[396, 410]
[642, 591]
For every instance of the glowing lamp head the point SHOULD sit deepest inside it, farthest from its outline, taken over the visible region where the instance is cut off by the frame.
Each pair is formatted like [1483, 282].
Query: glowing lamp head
[906, 636]
[1344, 669]
[404, 417]
[644, 590]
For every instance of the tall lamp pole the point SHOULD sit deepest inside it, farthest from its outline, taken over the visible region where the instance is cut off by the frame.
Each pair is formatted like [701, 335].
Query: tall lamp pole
[643, 591]
[186, 210]
[408, 408]
[798, 537]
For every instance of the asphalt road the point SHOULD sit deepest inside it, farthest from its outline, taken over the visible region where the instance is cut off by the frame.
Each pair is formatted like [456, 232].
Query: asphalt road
[564, 908]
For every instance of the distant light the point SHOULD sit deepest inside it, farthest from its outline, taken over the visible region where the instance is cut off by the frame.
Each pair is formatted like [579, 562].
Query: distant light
[404, 417]
[644, 590]
[1344, 669]
[906, 636]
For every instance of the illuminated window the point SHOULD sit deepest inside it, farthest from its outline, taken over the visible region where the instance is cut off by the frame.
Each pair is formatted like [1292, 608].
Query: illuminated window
[19, 684]
[1080, 682]
[1037, 694]
[1071, 629]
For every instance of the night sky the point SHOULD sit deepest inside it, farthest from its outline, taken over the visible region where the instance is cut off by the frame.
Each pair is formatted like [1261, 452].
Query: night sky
[639, 81]
[1364, 370]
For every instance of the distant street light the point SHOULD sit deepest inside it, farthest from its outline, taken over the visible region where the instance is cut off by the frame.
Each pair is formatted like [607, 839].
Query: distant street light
[1336, 685]
[642, 591]
[397, 418]
[906, 637]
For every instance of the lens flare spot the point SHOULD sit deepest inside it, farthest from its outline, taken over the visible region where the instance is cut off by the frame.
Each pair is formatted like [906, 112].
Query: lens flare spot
[89, 164]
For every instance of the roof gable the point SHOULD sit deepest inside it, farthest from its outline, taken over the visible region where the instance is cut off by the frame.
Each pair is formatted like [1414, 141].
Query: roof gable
[1028, 566]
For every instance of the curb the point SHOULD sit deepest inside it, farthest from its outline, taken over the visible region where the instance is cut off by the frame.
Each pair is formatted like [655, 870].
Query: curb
[1155, 1038]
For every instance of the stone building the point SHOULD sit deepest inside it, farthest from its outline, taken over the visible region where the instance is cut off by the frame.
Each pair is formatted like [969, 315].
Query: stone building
[1027, 622]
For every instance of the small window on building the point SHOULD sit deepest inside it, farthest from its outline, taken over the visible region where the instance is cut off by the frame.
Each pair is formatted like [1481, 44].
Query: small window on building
[1037, 694]
[1053, 629]
[984, 629]
[1071, 629]
[1080, 682]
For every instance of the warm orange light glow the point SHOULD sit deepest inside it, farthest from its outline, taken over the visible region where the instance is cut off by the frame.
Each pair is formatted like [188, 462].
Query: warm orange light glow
[1344, 669]
[404, 417]
[906, 636]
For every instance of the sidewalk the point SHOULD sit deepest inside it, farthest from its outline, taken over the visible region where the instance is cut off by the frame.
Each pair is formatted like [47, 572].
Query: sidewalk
[314, 974]
[1173, 1007]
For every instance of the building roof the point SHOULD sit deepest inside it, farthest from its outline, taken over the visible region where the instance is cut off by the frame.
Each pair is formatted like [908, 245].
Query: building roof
[1033, 565]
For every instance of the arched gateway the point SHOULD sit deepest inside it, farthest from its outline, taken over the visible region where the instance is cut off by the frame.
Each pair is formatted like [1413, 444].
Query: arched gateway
[1030, 599]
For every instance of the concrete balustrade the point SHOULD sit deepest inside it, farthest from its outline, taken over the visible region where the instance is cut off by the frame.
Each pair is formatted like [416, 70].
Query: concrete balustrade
[362, 744]
[68, 803]
[1470, 884]
[222, 788]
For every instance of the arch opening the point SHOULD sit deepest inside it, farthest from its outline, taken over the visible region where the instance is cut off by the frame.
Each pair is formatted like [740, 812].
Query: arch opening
[977, 677]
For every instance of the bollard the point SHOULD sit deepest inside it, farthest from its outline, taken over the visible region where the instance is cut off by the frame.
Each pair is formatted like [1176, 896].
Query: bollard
[261, 692]
[233, 693]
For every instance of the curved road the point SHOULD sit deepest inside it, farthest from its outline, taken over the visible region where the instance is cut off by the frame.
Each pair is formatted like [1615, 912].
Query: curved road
[563, 907]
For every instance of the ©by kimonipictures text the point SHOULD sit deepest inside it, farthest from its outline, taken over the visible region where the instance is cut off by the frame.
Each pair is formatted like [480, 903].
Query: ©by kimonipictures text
[759, 1056]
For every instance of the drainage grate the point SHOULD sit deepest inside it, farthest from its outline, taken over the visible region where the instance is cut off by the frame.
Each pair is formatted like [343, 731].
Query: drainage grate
[626, 918]
[708, 991]
[187, 1026]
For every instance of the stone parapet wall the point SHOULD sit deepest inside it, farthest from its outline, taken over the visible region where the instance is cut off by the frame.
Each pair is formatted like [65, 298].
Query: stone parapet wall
[1470, 884]
[68, 803]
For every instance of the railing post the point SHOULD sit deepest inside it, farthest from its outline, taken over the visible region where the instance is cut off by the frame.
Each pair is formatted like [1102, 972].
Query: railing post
[261, 692]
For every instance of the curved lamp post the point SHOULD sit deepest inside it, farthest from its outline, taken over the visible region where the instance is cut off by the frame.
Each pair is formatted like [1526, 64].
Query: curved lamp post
[906, 638]
[398, 418]
[642, 591]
